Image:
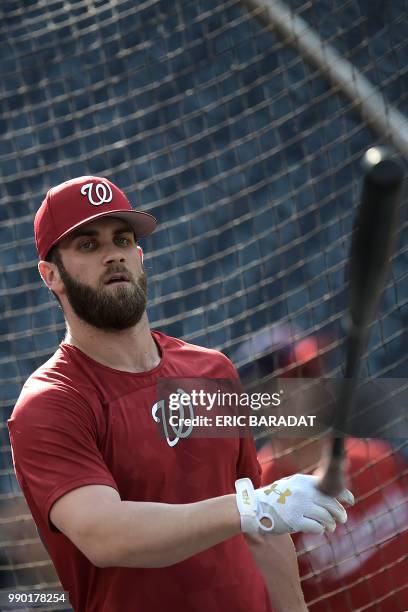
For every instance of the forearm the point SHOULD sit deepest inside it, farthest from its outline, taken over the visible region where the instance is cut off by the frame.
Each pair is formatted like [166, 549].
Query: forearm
[275, 557]
[157, 535]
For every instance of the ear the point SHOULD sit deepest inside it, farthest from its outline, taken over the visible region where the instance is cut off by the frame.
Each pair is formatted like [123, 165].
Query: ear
[140, 251]
[50, 275]
[46, 272]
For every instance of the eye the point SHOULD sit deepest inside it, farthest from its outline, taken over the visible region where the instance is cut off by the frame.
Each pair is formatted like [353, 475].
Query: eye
[123, 241]
[88, 245]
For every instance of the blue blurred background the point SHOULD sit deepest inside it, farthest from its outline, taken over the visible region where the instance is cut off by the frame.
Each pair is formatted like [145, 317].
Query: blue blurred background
[246, 154]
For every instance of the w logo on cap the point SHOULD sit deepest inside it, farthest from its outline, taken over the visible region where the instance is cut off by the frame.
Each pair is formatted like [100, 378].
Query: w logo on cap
[97, 193]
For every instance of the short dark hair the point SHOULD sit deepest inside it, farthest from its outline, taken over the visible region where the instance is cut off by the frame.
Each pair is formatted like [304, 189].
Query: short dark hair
[53, 255]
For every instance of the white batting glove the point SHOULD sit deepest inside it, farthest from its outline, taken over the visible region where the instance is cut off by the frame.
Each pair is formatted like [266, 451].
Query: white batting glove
[288, 505]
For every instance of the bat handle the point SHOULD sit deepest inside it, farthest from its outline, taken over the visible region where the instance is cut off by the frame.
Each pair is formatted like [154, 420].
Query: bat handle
[333, 481]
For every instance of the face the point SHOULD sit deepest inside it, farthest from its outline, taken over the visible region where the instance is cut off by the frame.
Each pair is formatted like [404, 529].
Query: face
[102, 274]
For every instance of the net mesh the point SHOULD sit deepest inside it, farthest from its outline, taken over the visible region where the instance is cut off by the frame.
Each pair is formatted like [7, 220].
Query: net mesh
[248, 156]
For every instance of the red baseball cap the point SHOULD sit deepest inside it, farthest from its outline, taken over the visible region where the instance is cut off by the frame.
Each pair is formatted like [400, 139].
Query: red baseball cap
[78, 201]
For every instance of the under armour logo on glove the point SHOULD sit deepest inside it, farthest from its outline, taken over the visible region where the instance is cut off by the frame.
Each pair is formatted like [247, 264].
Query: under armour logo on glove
[97, 193]
[281, 494]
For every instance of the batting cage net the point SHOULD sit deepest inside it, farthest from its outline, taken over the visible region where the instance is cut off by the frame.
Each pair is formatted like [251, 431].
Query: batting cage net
[241, 126]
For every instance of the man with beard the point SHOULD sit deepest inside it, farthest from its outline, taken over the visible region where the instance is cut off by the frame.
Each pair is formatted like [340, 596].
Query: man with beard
[133, 521]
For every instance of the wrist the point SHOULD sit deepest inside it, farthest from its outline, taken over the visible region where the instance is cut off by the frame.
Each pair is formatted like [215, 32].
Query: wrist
[228, 517]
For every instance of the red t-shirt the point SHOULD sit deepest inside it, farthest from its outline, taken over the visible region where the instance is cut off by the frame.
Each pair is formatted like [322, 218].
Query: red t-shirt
[79, 423]
[363, 564]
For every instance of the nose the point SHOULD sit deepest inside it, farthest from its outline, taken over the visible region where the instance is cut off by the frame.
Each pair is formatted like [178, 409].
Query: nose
[114, 255]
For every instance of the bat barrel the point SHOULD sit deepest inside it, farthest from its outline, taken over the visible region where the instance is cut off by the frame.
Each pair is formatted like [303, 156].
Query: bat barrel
[374, 236]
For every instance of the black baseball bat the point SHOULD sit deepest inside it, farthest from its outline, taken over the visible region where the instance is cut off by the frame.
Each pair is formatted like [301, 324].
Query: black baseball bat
[373, 240]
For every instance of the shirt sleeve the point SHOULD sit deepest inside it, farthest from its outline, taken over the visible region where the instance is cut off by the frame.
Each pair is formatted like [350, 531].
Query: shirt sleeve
[248, 464]
[54, 440]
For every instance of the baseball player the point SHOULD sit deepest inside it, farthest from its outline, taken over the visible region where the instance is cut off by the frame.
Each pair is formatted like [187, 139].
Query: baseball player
[134, 522]
[360, 565]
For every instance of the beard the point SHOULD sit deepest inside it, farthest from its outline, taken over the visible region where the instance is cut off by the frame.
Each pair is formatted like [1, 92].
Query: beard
[105, 308]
